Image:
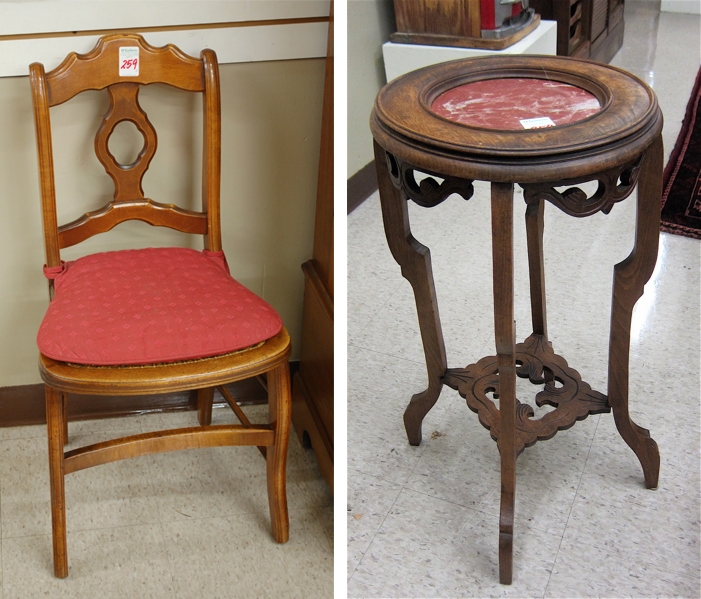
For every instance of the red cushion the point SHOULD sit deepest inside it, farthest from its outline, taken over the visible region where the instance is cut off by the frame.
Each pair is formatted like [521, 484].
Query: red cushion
[149, 306]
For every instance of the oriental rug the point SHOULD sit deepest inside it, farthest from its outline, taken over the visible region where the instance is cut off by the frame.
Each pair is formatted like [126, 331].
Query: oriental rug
[681, 190]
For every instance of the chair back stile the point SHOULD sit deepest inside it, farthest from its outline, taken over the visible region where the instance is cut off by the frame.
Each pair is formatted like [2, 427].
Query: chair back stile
[211, 154]
[46, 164]
[98, 70]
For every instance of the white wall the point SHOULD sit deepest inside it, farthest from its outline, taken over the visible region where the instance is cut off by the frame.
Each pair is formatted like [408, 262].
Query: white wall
[370, 23]
[692, 7]
[239, 30]
[271, 126]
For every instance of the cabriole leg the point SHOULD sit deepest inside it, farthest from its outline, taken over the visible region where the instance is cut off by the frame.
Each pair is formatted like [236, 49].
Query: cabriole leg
[415, 261]
[629, 281]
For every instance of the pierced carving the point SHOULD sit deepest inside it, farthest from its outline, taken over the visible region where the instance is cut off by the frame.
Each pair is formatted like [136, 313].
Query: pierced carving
[614, 185]
[572, 398]
[124, 106]
[428, 192]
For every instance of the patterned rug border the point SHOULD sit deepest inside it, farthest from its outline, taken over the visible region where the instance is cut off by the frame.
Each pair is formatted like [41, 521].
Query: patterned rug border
[677, 157]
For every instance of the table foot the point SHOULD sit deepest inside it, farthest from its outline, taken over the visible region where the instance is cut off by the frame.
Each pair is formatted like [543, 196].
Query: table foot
[416, 411]
[506, 551]
[644, 447]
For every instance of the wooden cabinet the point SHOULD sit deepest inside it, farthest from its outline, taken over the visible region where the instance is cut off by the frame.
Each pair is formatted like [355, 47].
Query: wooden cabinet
[585, 28]
[458, 23]
[312, 388]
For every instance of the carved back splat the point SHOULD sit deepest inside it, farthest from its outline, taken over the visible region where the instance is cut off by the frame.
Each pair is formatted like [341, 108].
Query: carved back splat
[124, 106]
[98, 70]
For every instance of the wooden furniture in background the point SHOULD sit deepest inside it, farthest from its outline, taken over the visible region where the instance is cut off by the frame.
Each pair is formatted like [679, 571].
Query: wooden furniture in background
[585, 28]
[616, 146]
[312, 391]
[449, 23]
[99, 70]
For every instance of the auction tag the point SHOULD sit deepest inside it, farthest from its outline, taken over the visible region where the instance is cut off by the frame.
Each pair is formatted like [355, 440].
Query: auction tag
[536, 123]
[129, 61]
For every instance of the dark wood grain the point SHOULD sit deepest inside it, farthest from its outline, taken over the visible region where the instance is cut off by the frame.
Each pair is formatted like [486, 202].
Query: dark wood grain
[415, 261]
[563, 389]
[448, 17]
[536, 267]
[504, 332]
[619, 147]
[324, 213]
[313, 386]
[629, 281]
[473, 40]
[205, 399]
[585, 28]
[404, 125]
[98, 70]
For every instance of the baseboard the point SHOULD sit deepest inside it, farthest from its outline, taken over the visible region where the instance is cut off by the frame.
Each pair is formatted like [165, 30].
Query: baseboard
[361, 186]
[24, 405]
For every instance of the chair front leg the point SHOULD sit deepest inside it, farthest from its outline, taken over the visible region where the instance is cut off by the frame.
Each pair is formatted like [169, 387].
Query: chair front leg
[279, 406]
[55, 423]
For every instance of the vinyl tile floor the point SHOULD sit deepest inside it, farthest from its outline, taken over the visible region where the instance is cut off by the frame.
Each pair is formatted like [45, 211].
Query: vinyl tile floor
[423, 521]
[180, 525]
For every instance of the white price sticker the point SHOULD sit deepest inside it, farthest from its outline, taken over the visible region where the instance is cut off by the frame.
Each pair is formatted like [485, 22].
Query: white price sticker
[129, 61]
[537, 122]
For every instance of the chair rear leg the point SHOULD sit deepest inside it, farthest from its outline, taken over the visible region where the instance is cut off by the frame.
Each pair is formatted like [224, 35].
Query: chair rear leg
[205, 399]
[55, 423]
[279, 405]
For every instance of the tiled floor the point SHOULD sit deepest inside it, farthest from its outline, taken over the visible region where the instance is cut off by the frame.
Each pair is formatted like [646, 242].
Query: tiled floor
[179, 525]
[423, 521]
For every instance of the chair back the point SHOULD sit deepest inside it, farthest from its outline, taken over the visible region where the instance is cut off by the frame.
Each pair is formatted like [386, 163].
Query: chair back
[121, 63]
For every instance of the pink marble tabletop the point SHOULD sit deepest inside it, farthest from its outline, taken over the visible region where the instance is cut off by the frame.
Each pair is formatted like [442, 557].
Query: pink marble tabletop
[515, 104]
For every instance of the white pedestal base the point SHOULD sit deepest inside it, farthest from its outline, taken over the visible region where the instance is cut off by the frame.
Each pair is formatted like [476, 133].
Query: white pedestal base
[403, 58]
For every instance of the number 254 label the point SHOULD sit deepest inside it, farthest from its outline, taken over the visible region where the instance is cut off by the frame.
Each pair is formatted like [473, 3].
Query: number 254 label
[129, 61]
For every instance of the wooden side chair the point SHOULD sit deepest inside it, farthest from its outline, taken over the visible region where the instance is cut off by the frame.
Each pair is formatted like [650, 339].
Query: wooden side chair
[157, 320]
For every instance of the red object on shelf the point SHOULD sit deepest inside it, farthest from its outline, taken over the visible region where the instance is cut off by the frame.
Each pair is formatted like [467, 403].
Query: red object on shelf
[500, 18]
